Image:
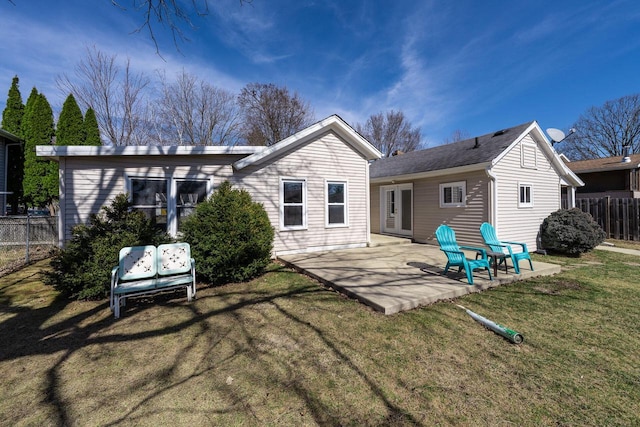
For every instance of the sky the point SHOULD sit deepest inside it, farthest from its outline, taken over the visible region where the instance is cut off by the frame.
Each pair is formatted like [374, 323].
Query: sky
[465, 65]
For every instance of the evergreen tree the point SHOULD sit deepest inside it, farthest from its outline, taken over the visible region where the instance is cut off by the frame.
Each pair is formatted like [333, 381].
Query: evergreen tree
[29, 105]
[13, 112]
[91, 129]
[11, 122]
[70, 129]
[40, 183]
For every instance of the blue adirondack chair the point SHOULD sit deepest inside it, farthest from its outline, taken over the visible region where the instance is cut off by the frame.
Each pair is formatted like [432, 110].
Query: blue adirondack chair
[456, 258]
[496, 245]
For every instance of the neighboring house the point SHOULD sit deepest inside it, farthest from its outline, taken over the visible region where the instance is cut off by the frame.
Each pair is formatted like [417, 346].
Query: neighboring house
[314, 185]
[512, 178]
[7, 140]
[610, 176]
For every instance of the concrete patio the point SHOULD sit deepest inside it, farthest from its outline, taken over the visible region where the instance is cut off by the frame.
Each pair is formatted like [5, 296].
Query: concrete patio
[394, 275]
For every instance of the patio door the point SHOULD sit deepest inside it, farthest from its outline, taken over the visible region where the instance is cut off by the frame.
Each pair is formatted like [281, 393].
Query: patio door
[397, 209]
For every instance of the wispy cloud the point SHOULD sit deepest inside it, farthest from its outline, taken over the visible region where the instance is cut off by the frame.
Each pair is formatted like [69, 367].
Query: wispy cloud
[43, 53]
[248, 28]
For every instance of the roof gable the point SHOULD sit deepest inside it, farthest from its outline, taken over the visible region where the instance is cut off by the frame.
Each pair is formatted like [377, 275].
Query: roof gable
[473, 153]
[481, 151]
[333, 123]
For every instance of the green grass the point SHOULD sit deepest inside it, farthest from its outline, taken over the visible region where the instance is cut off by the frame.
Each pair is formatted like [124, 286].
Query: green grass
[282, 350]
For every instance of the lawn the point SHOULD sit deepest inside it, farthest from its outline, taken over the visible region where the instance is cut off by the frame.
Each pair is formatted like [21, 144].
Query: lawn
[282, 350]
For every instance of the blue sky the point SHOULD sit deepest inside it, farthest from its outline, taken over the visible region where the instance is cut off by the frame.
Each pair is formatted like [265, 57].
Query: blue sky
[448, 65]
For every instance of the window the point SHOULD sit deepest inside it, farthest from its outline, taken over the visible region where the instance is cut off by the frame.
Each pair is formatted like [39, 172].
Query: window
[453, 194]
[525, 199]
[336, 212]
[188, 194]
[391, 203]
[167, 200]
[293, 204]
[150, 196]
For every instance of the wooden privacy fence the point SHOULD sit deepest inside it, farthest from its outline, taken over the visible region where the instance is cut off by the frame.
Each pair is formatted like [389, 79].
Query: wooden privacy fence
[619, 218]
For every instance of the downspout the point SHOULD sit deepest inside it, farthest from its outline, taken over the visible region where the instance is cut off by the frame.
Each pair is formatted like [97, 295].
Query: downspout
[368, 203]
[493, 197]
[62, 208]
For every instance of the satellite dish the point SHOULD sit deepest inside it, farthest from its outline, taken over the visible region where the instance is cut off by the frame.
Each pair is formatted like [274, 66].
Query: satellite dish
[556, 135]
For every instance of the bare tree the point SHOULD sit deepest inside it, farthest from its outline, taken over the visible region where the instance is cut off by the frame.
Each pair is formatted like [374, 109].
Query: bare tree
[193, 112]
[271, 113]
[604, 131]
[456, 135]
[116, 95]
[390, 132]
[169, 13]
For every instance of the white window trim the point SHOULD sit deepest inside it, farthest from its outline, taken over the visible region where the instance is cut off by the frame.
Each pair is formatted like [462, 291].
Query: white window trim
[172, 208]
[344, 182]
[173, 212]
[284, 179]
[463, 185]
[522, 204]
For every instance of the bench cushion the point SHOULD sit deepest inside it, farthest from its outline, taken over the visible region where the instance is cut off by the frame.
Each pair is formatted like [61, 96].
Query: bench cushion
[174, 258]
[137, 262]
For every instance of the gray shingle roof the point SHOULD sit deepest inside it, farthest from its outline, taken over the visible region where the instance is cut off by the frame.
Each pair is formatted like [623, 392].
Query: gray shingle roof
[448, 156]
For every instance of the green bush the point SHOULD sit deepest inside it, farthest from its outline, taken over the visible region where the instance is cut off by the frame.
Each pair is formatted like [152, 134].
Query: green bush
[230, 236]
[82, 270]
[571, 232]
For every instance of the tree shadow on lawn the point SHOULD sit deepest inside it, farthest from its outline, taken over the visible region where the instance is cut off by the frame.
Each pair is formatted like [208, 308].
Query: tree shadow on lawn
[62, 328]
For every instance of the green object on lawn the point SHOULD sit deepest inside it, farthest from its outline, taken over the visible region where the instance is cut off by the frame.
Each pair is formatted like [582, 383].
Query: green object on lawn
[509, 334]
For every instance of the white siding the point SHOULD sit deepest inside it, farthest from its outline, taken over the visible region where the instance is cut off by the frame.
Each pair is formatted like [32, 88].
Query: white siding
[327, 157]
[523, 223]
[465, 221]
[92, 182]
[428, 215]
[374, 195]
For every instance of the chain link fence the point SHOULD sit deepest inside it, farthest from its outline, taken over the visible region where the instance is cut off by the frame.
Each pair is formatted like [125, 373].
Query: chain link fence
[26, 238]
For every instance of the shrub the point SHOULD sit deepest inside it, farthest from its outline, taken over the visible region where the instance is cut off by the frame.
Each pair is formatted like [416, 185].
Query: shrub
[82, 270]
[230, 236]
[571, 232]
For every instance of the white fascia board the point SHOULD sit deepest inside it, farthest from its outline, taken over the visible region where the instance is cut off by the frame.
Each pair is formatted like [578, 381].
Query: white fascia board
[53, 151]
[333, 122]
[431, 174]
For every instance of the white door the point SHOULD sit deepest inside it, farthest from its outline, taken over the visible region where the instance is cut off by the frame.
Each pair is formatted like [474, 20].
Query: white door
[397, 209]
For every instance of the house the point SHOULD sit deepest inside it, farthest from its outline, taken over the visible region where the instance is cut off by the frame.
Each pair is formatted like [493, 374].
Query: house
[610, 176]
[314, 185]
[512, 178]
[7, 141]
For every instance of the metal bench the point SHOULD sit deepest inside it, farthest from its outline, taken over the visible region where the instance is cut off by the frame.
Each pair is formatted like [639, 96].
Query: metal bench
[144, 270]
